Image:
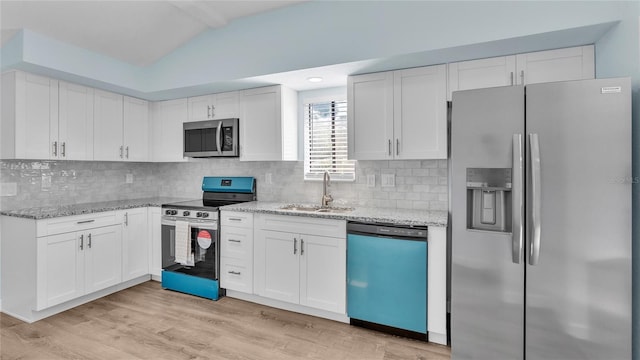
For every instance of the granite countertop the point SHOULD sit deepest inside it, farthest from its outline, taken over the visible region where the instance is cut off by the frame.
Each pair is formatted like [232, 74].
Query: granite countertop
[363, 214]
[38, 213]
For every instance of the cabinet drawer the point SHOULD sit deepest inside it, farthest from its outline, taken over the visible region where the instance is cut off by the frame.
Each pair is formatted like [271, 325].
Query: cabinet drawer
[236, 218]
[75, 223]
[303, 225]
[236, 242]
[236, 275]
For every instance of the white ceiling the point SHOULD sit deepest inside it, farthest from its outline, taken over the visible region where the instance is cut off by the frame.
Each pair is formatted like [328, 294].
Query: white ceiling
[136, 31]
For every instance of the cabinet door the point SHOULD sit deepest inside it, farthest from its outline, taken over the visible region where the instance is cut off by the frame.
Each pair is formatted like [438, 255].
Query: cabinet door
[370, 113]
[107, 126]
[420, 113]
[576, 63]
[201, 107]
[135, 244]
[167, 130]
[483, 73]
[136, 129]
[155, 240]
[261, 138]
[323, 272]
[60, 269]
[226, 105]
[75, 122]
[36, 117]
[103, 257]
[280, 276]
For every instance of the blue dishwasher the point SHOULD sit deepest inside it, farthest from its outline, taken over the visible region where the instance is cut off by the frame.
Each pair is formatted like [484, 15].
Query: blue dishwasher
[387, 278]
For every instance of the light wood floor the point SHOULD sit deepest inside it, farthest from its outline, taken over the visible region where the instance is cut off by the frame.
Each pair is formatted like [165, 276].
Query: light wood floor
[147, 322]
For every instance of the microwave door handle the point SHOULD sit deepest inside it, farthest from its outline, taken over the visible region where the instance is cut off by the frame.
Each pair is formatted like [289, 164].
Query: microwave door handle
[218, 139]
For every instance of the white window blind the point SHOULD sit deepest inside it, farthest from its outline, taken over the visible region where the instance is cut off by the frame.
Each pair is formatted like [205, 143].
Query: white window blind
[325, 141]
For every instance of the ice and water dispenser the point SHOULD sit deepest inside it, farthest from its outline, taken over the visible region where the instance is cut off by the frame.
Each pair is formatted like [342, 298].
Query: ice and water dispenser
[489, 199]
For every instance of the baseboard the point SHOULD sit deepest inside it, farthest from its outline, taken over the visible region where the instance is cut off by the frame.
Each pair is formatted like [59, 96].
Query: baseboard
[437, 338]
[34, 316]
[288, 306]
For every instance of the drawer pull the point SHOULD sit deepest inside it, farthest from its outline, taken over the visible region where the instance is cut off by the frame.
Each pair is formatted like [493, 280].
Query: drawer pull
[235, 219]
[234, 272]
[234, 240]
[85, 221]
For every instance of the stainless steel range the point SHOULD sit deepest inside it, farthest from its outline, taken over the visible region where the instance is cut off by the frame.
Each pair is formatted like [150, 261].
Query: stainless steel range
[190, 240]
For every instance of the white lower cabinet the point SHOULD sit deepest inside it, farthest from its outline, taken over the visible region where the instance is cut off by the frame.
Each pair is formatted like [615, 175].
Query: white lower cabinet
[236, 251]
[135, 243]
[72, 264]
[155, 241]
[301, 260]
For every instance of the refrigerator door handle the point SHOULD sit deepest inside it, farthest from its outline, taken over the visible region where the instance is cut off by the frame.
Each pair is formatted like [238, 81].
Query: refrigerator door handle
[518, 202]
[536, 196]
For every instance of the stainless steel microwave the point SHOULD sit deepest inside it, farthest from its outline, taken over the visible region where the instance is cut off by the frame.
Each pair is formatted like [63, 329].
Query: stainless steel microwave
[211, 138]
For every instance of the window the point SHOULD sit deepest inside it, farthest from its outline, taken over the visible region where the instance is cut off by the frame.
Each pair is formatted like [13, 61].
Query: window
[325, 141]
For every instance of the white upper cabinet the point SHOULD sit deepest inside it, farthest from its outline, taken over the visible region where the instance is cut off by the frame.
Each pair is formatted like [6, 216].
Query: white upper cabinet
[214, 106]
[166, 130]
[29, 127]
[483, 73]
[370, 116]
[398, 114]
[135, 134]
[268, 125]
[75, 127]
[121, 127]
[576, 63]
[107, 139]
[420, 113]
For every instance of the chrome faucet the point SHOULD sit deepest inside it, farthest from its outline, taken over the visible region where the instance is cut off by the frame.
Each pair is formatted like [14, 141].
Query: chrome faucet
[326, 182]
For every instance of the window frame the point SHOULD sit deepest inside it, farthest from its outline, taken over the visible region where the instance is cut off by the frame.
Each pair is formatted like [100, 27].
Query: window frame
[314, 97]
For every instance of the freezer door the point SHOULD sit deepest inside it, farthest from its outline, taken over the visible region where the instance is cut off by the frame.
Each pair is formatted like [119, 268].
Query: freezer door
[578, 293]
[487, 285]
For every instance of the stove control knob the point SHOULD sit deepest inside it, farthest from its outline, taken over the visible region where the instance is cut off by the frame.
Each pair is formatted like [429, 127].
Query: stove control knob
[186, 213]
[205, 214]
[198, 214]
[174, 212]
[167, 212]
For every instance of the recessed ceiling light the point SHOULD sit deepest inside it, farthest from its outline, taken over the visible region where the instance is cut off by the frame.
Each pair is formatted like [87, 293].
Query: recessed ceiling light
[314, 79]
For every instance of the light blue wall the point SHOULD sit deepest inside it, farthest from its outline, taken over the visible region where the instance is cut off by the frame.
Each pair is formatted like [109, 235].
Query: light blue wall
[393, 34]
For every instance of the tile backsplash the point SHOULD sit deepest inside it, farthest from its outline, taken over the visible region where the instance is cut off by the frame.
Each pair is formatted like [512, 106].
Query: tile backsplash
[419, 184]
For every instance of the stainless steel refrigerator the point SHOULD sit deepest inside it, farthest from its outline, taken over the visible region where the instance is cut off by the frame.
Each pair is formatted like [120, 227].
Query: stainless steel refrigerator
[541, 221]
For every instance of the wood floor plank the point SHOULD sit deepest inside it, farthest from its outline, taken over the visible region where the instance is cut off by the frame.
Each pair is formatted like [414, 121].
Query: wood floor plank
[147, 322]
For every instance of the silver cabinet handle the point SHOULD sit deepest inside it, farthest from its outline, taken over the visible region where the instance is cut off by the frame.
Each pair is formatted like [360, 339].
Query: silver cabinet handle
[536, 194]
[89, 240]
[511, 78]
[64, 149]
[521, 77]
[213, 111]
[121, 155]
[208, 111]
[234, 272]
[235, 219]
[55, 148]
[397, 146]
[295, 246]
[301, 246]
[126, 219]
[82, 242]
[218, 139]
[389, 147]
[127, 152]
[518, 201]
[234, 240]
[85, 221]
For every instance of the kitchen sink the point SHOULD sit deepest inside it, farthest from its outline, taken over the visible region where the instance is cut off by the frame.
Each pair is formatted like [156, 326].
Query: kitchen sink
[316, 209]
